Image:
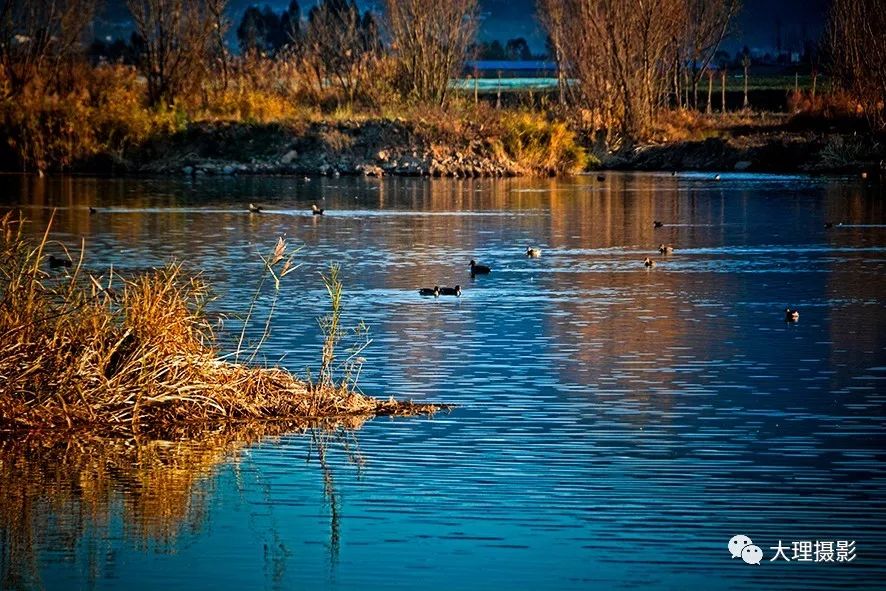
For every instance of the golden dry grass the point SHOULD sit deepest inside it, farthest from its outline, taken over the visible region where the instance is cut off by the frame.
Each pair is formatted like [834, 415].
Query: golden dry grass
[135, 353]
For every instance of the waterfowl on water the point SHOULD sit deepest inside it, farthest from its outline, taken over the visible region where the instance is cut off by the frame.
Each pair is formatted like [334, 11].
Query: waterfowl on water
[92, 210]
[601, 178]
[665, 249]
[55, 263]
[673, 173]
[427, 291]
[479, 269]
[452, 291]
[716, 177]
[649, 263]
[657, 224]
[533, 253]
[791, 315]
[864, 175]
[316, 210]
[253, 208]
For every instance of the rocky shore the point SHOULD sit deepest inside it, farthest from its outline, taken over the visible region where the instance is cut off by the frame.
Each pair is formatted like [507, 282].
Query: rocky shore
[786, 153]
[373, 148]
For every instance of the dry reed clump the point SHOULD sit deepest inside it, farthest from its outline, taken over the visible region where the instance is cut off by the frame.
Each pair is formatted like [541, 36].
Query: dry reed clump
[77, 351]
[529, 141]
[541, 146]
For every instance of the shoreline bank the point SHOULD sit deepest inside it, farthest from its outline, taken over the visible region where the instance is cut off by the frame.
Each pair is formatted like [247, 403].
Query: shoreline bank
[397, 147]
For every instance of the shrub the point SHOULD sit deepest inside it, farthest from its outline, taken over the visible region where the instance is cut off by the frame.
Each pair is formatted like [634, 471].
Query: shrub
[101, 112]
[842, 152]
[539, 145]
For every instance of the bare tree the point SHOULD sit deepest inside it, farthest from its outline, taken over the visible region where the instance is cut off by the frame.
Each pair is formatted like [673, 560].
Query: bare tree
[723, 88]
[857, 48]
[220, 25]
[706, 23]
[621, 52]
[37, 35]
[709, 72]
[430, 39]
[551, 14]
[340, 46]
[746, 64]
[178, 38]
[631, 56]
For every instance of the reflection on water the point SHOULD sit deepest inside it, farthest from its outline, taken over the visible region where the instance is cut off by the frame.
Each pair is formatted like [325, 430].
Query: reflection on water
[616, 426]
[63, 494]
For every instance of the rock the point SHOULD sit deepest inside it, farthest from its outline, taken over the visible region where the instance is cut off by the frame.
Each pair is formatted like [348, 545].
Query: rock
[370, 170]
[289, 157]
[228, 169]
[743, 165]
[188, 170]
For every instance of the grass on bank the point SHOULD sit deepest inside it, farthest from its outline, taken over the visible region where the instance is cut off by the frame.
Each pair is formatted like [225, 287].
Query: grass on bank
[102, 119]
[138, 353]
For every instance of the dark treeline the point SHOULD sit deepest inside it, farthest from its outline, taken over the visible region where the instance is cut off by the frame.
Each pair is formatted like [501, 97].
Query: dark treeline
[512, 49]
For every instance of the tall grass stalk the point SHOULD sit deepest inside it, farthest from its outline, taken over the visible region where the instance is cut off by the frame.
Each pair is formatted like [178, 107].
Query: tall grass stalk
[271, 268]
[331, 324]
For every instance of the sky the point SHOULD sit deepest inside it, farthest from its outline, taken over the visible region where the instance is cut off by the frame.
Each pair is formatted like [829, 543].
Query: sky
[506, 19]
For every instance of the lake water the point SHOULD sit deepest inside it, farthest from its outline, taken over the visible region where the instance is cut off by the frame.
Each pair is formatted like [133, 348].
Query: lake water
[615, 426]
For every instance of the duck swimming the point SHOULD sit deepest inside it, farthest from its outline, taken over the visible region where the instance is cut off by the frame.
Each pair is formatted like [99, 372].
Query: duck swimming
[427, 291]
[253, 208]
[791, 315]
[657, 224]
[479, 269]
[316, 210]
[55, 263]
[452, 291]
[601, 178]
[533, 253]
[665, 249]
[649, 263]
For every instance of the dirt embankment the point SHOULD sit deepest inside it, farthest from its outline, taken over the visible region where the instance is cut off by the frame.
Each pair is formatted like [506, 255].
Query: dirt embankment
[399, 147]
[794, 146]
[371, 148]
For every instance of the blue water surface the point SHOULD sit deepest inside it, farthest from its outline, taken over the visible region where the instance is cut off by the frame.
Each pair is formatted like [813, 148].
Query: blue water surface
[615, 425]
